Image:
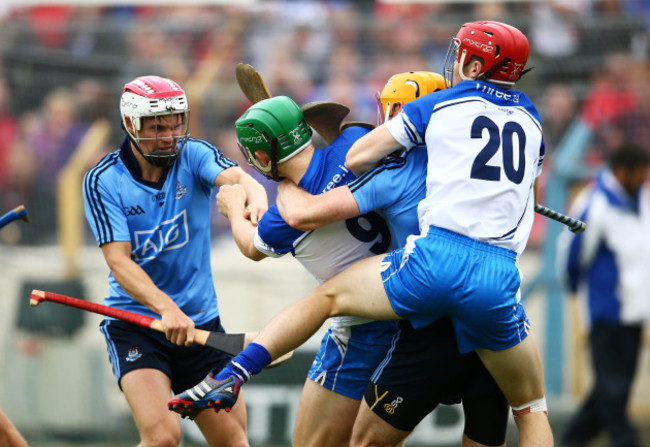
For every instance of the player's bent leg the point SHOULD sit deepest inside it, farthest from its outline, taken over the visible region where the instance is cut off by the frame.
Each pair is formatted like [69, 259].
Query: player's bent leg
[517, 370]
[339, 295]
[147, 392]
[222, 429]
[324, 419]
[359, 291]
[486, 416]
[372, 431]
[519, 373]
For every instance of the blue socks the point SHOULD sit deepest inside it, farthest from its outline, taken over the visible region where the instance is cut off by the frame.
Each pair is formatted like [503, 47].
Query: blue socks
[247, 363]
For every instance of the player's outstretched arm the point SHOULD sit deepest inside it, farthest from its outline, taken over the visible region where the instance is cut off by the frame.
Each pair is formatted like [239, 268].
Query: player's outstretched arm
[231, 201]
[368, 150]
[257, 201]
[306, 212]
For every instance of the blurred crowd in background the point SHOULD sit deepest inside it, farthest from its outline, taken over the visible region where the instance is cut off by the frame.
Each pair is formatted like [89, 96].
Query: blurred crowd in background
[62, 68]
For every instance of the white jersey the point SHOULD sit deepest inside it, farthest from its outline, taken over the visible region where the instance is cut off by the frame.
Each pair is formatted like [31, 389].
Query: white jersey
[328, 250]
[609, 264]
[485, 150]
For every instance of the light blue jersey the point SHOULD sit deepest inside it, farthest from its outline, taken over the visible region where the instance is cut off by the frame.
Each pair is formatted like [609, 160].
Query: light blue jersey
[167, 224]
[394, 189]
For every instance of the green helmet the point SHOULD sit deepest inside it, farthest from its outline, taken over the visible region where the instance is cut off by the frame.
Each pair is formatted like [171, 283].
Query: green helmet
[275, 126]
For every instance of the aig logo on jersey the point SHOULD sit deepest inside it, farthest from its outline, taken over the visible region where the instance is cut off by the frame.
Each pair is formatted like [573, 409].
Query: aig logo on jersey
[171, 234]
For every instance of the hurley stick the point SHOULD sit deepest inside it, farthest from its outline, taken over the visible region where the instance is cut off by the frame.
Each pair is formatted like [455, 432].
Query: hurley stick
[229, 343]
[575, 225]
[20, 212]
[251, 83]
[325, 117]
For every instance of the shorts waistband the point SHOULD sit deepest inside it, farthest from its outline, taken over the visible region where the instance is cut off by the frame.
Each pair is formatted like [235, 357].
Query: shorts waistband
[471, 243]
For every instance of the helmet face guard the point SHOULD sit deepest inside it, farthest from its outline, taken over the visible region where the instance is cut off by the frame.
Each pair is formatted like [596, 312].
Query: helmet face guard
[275, 126]
[450, 58]
[269, 171]
[163, 148]
[155, 115]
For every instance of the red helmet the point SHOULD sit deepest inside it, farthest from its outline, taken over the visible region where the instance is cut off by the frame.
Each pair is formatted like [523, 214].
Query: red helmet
[503, 48]
[154, 97]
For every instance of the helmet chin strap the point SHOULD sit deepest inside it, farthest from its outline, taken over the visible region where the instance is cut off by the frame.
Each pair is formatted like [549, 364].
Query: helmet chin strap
[461, 64]
[486, 75]
[274, 157]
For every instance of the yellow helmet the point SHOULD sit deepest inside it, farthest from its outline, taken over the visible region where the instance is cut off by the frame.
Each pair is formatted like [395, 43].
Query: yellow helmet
[405, 87]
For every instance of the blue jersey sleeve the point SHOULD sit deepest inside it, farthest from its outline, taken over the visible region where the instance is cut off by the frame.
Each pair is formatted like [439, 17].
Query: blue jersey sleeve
[274, 236]
[379, 188]
[394, 188]
[104, 213]
[207, 161]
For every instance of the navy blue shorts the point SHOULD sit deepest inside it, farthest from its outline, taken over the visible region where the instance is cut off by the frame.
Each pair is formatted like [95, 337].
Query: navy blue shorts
[424, 369]
[132, 347]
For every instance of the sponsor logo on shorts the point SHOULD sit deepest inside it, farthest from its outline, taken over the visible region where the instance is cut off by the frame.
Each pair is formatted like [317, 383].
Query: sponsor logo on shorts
[390, 408]
[133, 355]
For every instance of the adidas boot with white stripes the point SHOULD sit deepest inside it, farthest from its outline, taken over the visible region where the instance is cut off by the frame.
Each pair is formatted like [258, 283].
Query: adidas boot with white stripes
[208, 394]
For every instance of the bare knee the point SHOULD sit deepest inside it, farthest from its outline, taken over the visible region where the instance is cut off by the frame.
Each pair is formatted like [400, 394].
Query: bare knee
[160, 436]
[369, 440]
[518, 371]
[370, 432]
[330, 298]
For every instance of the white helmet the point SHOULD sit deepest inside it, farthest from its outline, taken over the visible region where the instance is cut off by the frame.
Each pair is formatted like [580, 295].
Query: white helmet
[153, 97]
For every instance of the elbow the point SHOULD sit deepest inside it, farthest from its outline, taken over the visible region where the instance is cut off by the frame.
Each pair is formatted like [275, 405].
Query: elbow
[253, 253]
[352, 163]
[115, 262]
[299, 222]
[256, 256]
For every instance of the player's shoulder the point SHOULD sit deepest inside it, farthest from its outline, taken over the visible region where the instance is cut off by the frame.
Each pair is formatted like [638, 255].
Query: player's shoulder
[199, 144]
[398, 169]
[349, 135]
[198, 150]
[487, 91]
[415, 157]
[107, 168]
